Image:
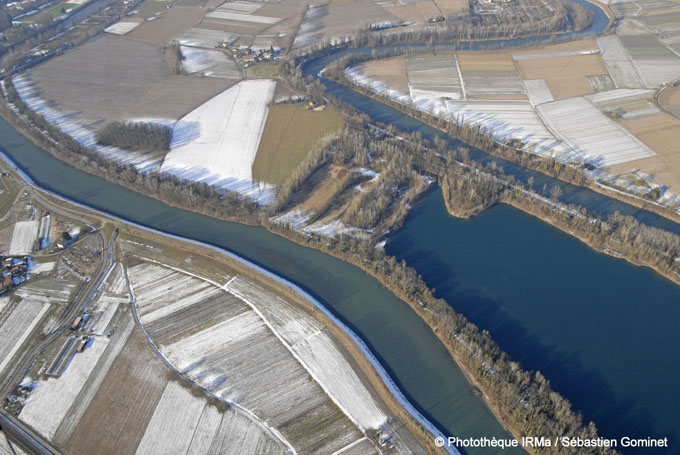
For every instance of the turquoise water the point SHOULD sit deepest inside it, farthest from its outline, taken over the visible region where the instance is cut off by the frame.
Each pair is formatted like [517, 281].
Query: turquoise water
[603, 331]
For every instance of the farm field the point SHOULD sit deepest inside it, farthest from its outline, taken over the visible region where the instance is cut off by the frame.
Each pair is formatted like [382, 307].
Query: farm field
[185, 423]
[137, 377]
[490, 76]
[654, 62]
[23, 238]
[335, 21]
[122, 27]
[418, 12]
[18, 323]
[592, 134]
[289, 135]
[258, 331]
[565, 76]
[210, 63]
[619, 63]
[449, 7]
[220, 149]
[166, 23]
[124, 79]
[286, 400]
[626, 103]
[661, 133]
[198, 37]
[434, 77]
[508, 120]
[391, 71]
[670, 100]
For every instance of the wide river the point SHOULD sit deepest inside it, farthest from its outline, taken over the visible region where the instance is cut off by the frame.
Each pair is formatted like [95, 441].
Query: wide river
[604, 332]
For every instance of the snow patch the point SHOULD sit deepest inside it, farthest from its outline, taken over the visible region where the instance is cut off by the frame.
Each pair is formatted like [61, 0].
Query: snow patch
[217, 142]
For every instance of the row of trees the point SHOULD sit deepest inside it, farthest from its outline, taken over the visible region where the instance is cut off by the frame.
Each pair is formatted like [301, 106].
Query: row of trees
[5, 19]
[135, 136]
[173, 57]
[536, 18]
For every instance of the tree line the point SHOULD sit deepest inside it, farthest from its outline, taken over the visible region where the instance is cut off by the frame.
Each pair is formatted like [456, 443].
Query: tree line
[135, 136]
[558, 16]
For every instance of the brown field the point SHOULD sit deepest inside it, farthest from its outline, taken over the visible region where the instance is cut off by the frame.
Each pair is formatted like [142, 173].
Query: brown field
[452, 6]
[264, 70]
[118, 415]
[392, 71]
[565, 76]
[485, 62]
[661, 133]
[150, 8]
[290, 133]
[170, 23]
[670, 100]
[332, 181]
[239, 28]
[114, 78]
[418, 12]
[346, 18]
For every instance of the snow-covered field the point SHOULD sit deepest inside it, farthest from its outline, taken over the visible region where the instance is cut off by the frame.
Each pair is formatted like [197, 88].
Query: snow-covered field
[54, 291]
[317, 351]
[81, 134]
[183, 423]
[240, 7]
[311, 28]
[211, 63]
[354, 74]
[24, 236]
[591, 133]
[509, 120]
[538, 91]
[102, 312]
[122, 28]
[434, 77]
[161, 292]
[49, 403]
[74, 408]
[239, 17]
[199, 37]
[618, 62]
[625, 103]
[217, 142]
[17, 327]
[237, 357]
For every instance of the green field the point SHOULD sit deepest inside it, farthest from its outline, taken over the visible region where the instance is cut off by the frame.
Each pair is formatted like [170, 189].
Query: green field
[290, 133]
